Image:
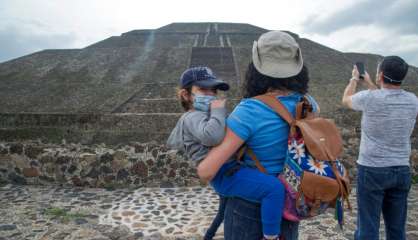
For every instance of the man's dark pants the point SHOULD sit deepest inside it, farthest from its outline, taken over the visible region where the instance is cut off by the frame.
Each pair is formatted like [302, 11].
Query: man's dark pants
[243, 222]
[382, 190]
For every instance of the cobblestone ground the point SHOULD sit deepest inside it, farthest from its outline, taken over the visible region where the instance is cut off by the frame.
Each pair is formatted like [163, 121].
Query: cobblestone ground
[33, 212]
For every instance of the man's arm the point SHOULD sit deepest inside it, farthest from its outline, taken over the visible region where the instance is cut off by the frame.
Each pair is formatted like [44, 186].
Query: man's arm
[349, 91]
[369, 83]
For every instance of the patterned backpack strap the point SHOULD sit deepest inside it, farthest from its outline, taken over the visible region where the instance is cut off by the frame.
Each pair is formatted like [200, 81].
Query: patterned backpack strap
[343, 190]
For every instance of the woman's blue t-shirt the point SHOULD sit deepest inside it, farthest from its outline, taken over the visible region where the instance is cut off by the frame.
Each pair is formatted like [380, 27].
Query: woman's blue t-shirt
[263, 130]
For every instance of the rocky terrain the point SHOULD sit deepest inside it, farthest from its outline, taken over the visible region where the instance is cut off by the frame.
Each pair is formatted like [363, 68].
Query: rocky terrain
[59, 213]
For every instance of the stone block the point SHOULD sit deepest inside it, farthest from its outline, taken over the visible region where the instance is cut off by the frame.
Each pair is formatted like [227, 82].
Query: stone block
[16, 148]
[33, 151]
[20, 161]
[14, 178]
[30, 172]
[140, 169]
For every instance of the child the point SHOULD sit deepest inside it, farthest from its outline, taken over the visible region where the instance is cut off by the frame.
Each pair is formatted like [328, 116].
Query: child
[203, 127]
[203, 124]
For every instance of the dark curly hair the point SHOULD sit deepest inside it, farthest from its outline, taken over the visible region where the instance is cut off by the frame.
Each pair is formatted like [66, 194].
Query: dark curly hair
[257, 83]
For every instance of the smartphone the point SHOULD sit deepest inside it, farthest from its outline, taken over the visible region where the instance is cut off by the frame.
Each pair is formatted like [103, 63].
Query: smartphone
[360, 68]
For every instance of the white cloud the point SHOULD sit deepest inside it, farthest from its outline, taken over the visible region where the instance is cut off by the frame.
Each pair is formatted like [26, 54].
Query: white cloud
[384, 27]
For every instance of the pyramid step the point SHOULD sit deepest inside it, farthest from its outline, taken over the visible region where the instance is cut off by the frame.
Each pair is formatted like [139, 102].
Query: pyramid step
[88, 128]
[163, 105]
[219, 59]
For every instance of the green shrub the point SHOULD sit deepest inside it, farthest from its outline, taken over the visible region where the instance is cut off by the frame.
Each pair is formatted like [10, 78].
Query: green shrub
[63, 214]
[415, 179]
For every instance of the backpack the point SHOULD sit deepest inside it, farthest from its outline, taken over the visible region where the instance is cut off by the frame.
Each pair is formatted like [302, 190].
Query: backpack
[313, 177]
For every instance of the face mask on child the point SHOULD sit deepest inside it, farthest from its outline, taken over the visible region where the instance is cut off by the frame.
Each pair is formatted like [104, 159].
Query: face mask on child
[202, 102]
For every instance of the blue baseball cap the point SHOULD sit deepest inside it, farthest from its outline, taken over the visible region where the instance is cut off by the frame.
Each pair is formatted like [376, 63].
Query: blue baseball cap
[202, 77]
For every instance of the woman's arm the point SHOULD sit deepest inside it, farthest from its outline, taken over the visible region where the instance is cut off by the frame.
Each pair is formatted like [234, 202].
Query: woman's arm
[208, 168]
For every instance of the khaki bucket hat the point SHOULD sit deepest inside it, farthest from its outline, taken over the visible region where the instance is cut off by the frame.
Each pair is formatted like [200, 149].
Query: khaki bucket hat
[277, 54]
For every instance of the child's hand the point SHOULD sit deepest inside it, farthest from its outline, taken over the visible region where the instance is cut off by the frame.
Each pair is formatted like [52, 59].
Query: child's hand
[218, 103]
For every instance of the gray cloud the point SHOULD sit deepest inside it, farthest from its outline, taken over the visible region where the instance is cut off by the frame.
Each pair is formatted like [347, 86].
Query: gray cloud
[411, 57]
[388, 45]
[396, 19]
[16, 41]
[399, 16]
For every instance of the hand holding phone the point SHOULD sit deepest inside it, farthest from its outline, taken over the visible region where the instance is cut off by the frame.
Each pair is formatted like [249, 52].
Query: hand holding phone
[361, 70]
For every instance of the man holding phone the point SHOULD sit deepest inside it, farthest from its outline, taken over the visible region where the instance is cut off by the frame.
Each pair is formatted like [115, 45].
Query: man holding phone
[360, 69]
[384, 176]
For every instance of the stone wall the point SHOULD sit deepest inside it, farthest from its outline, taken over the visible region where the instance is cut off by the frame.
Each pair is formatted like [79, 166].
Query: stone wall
[118, 166]
[113, 150]
[131, 165]
[119, 128]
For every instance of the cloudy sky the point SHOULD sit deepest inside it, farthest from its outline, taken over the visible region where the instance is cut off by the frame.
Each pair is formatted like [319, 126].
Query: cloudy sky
[384, 27]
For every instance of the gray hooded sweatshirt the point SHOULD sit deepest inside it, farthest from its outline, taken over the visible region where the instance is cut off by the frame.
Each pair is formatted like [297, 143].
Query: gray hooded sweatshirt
[196, 132]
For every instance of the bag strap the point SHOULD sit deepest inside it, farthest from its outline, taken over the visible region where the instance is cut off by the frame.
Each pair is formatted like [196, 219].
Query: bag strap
[343, 190]
[281, 110]
[255, 159]
[249, 151]
[304, 109]
[277, 106]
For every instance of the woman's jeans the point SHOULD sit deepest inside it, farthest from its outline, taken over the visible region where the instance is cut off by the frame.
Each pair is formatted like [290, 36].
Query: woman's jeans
[382, 190]
[219, 218]
[243, 222]
[248, 183]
